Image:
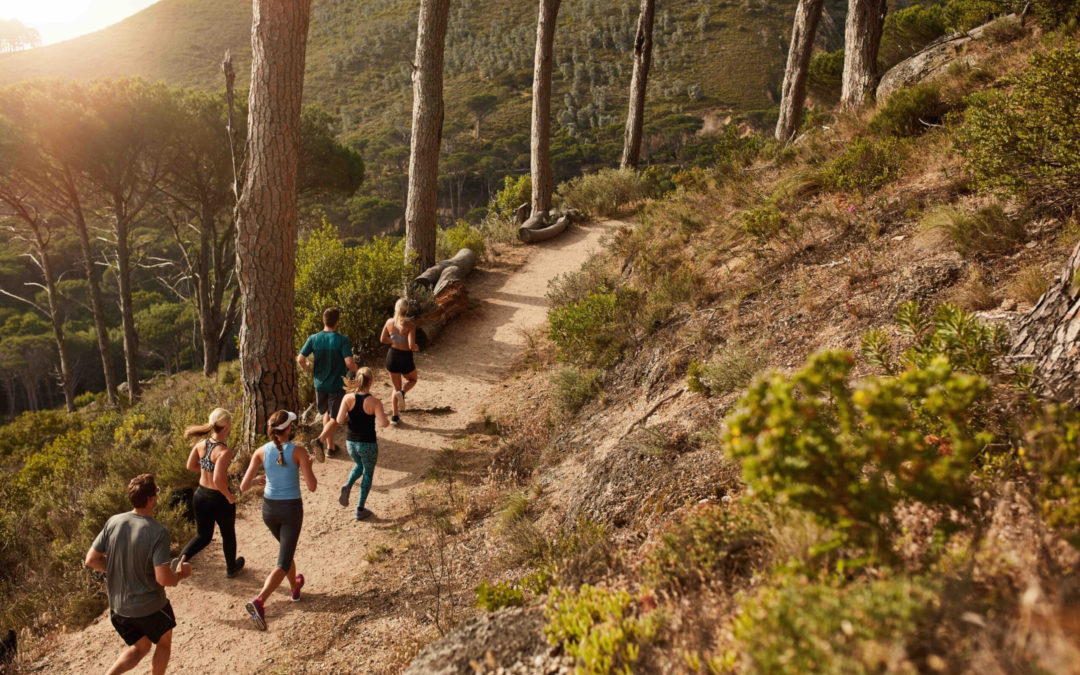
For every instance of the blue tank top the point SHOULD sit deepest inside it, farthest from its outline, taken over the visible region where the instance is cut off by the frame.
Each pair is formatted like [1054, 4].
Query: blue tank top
[282, 482]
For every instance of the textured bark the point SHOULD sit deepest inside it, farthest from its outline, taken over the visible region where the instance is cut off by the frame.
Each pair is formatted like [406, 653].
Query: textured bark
[127, 311]
[862, 37]
[793, 94]
[266, 212]
[635, 117]
[421, 223]
[1049, 336]
[543, 182]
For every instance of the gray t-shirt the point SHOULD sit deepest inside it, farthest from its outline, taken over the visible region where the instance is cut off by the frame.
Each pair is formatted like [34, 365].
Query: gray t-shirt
[133, 545]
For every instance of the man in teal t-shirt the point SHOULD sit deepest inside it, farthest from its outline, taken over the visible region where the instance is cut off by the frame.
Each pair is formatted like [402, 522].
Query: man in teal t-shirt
[332, 361]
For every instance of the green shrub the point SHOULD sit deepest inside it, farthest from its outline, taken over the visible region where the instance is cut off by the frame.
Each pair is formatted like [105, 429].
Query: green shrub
[963, 15]
[602, 629]
[515, 192]
[570, 287]
[362, 281]
[31, 430]
[492, 598]
[986, 232]
[1052, 13]
[807, 626]
[907, 31]
[656, 181]
[1025, 140]
[825, 75]
[715, 545]
[850, 454]
[764, 222]
[1004, 30]
[909, 111]
[1050, 453]
[578, 553]
[957, 336]
[603, 193]
[575, 387]
[728, 371]
[866, 165]
[462, 235]
[593, 330]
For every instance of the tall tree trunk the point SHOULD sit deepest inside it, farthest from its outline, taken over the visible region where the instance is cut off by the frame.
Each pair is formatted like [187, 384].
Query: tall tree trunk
[207, 321]
[543, 182]
[67, 381]
[127, 312]
[97, 304]
[421, 205]
[862, 37]
[266, 212]
[635, 118]
[793, 95]
[1049, 336]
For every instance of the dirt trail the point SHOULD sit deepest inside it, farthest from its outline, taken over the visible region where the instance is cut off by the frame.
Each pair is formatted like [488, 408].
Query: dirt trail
[213, 632]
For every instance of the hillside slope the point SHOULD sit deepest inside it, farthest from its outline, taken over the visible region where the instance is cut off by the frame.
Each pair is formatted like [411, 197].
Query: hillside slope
[708, 55]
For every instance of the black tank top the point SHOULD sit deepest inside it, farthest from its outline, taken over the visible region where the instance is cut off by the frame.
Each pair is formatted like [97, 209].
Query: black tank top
[361, 425]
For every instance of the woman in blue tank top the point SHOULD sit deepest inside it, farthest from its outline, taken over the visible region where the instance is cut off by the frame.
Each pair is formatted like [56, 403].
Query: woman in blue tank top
[358, 413]
[283, 510]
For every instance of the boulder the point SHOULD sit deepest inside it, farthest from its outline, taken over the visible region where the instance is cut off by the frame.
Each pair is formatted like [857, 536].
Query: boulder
[929, 62]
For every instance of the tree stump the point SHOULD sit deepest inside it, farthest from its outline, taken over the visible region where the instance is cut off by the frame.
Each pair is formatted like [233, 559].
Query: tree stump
[521, 214]
[1047, 337]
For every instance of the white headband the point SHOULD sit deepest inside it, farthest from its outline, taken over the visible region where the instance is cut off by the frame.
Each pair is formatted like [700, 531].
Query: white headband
[285, 425]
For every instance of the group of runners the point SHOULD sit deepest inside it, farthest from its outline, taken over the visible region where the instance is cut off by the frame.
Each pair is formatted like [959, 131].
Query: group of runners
[132, 549]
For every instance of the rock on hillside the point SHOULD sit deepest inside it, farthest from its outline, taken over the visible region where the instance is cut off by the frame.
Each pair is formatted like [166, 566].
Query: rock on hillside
[508, 641]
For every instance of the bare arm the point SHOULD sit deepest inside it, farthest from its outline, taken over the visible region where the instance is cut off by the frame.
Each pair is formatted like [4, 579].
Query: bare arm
[374, 406]
[193, 458]
[303, 460]
[95, 560]
[412, 338]
[385, 337]
[303, 362]
[347, 404]
[164, 575]
[253, 468]
[350, 363]
[221, 475]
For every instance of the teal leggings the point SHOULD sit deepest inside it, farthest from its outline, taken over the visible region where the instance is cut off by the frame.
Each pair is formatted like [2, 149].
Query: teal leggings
[364, 455]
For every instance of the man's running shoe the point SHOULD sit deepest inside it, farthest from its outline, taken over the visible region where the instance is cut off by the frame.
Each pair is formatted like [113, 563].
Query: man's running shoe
[295, 595]
[257, 614]
[343, 498]
[237, 566]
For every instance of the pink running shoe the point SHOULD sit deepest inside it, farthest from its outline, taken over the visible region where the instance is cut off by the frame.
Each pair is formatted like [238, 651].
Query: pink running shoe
[299, 584]
[257, 614]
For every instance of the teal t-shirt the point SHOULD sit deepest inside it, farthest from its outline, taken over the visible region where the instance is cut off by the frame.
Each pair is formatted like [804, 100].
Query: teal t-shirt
[330, 349]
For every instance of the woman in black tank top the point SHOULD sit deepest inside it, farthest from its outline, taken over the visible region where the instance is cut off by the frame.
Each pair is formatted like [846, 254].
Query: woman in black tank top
[213, 502]
[358, 413]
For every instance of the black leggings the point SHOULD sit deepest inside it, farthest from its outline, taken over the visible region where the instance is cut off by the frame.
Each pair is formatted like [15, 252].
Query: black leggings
[211, 507]
[284, 517]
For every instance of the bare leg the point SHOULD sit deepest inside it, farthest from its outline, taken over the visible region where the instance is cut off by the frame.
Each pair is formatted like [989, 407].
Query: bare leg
[130, 657]
[395, 379]
[274, 579]
[410, 381]
[162, 653]
[327, 435]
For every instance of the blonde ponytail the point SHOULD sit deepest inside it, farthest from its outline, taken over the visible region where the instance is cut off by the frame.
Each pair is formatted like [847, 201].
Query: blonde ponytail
[220, 418]
[401, 308]
[360, 382]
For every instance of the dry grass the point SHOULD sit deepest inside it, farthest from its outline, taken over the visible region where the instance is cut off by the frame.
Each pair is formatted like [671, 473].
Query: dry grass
[974, 293]
[1029, 284]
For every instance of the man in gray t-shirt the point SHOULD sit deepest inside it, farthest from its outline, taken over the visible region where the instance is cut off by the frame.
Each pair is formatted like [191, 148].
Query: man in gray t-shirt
[133, 552]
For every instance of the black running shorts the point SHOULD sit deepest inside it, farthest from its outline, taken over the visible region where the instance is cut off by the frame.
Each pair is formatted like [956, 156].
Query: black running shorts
[153, 626]
[329, 402]
[399, 361]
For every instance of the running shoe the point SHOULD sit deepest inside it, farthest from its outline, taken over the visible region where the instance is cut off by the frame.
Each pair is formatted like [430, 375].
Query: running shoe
[320, 451]
[362, 513]
[394, 419]
[295, 595]
[237, 566]
[257, 614]
[331, 449]
[399, 396]
[343, 498]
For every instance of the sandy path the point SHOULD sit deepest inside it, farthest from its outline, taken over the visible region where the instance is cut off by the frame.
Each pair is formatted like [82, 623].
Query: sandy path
[213, 632]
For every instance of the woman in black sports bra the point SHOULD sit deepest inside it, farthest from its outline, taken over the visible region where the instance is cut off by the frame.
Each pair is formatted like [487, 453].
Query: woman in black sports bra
[400, 333]
[213, 502]
[358, 413]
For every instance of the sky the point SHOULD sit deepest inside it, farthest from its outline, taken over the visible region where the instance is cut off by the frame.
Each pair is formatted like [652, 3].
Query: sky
[59, 20]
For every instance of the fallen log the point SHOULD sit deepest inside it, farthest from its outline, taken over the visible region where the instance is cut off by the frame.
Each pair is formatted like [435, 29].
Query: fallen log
[452, 274]
[464, 259]
[530, 236]
[453, 300]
